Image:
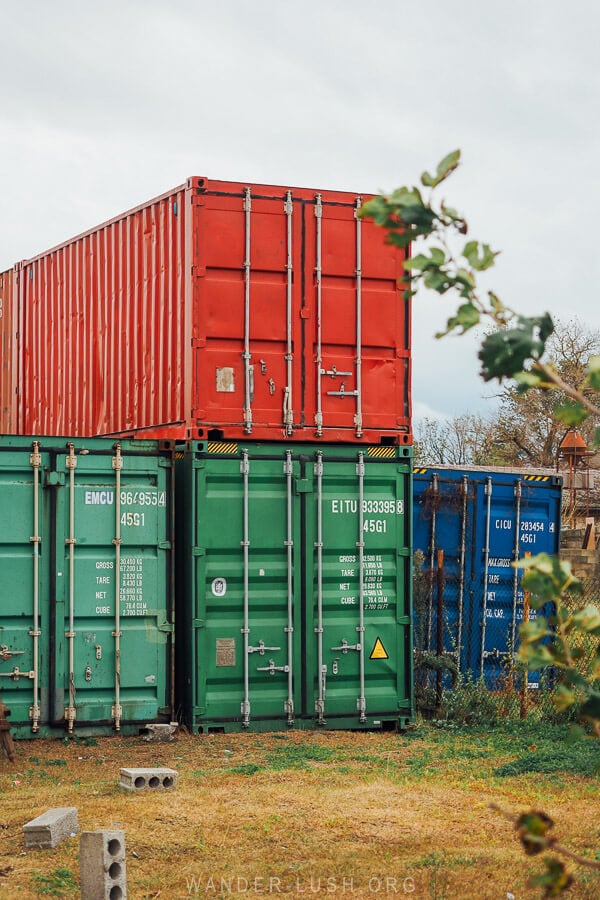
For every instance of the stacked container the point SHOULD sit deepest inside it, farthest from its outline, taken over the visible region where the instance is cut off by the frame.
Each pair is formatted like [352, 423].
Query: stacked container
[266, 331]
[214, 311]
[294, 599]
[86, 622]
[482, 521]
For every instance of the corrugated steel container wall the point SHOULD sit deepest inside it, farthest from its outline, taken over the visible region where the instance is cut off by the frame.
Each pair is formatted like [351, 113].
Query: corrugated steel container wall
[102, 327]
[294, 587]
[8, 355]
[83, 522]
[483, 520]
[219, 310]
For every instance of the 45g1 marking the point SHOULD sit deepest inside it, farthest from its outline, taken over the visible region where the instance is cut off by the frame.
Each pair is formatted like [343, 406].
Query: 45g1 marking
[133, 519]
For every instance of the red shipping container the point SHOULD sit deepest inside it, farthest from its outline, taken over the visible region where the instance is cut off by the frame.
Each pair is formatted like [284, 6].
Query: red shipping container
[217, 310]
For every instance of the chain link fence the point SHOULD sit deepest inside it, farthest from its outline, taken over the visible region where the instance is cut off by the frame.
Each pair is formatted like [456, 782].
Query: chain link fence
[465, 658]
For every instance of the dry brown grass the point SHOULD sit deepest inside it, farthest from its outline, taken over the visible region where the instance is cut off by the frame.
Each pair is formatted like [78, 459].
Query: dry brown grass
[298, 814]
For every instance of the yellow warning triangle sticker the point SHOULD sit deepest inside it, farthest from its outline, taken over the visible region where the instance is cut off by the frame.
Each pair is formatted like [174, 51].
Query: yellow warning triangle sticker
[378, 651]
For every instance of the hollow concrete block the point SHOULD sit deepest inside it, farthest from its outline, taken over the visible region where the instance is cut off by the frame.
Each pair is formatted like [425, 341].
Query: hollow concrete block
[148, 779]
[102, 865]
[47, 830]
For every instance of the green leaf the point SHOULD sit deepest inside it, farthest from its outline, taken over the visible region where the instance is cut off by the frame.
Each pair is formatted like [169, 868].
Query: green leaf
[532, 829]
[593, 372]
[403, 214]
[554, 880]
[467, 316]
[588, 619]
[454, 219]
[377, 209]
[399, 238]
[421, 262]
[445, 167]
[591, 708]
[451, 213]
[571, 413]
[547, 577]
[496, 304]
[437, 280]
[564, 698]
[479, 259]
[527, 380]
[465, 278]
[546, 326]
[504, 353]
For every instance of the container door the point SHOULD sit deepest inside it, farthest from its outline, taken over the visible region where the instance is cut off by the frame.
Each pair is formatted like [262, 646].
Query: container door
[113, 583]
[516, 518]
[442, 534]
[248, 285]
[24, 586]
[247, 573]
[361, 325]
[358, 663]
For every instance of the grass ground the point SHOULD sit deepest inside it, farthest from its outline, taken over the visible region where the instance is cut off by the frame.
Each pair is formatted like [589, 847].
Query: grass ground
[307, 814]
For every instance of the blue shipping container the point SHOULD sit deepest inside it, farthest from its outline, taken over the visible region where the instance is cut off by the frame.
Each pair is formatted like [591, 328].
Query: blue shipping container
[483, 520]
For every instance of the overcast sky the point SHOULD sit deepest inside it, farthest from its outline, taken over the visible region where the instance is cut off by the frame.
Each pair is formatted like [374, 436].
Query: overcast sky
[107, 104]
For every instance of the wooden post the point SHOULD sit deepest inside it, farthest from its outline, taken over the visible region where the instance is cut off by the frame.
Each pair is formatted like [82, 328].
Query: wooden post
[6, 741]
[440, 624]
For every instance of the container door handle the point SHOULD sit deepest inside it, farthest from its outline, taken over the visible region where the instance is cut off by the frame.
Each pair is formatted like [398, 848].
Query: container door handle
[6, 654]
[262, 649]
[345, 646]
[272, 668]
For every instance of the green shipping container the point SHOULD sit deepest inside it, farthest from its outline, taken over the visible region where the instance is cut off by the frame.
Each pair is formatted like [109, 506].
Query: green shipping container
[294, 588]
[85, 584]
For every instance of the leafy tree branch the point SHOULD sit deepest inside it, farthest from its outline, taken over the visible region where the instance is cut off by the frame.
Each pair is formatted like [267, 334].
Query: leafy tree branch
[514, 349]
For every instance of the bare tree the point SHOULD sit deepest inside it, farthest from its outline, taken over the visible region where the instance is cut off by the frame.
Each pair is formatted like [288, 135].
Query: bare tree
[526, 429]
[461, 441]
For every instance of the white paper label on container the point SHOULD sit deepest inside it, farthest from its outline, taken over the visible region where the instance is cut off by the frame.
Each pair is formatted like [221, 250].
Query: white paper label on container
[225, 380]
[219, 587]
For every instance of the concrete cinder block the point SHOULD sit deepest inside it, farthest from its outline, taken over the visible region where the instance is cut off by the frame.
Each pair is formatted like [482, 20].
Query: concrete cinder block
[51, 827]
[159, 732]
[102, 865]
[148, 779]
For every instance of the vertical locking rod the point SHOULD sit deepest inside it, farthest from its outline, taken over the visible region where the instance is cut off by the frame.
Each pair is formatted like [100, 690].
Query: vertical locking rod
[117, 464]
[289, 543]
[245, 707]
[488, 491]
[246, 354]
[513, 632]
[358, 419]
[319, 281]
[70, 711]
[289, 356]
[320, 702]
[463, 557]
[35, 461]
[432, 555]
[360, 471]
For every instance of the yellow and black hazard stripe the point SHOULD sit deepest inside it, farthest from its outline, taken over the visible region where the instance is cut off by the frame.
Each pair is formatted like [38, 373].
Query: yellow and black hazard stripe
[381, 452]
[419, 470]
[222, 447]
[536, 478]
